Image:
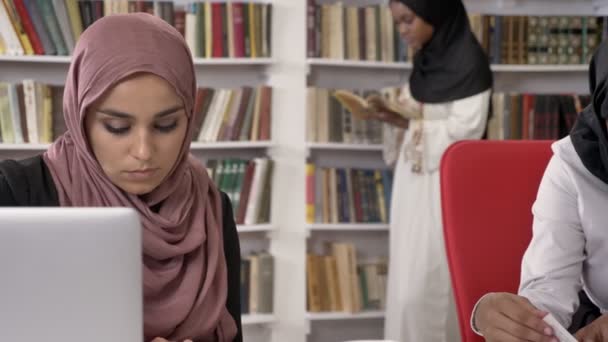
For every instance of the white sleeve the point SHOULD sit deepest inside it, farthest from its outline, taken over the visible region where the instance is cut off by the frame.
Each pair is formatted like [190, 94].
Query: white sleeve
[466, 120]
[552, 265]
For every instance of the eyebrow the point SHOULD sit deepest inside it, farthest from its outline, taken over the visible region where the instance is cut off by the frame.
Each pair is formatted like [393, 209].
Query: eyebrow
[124, 115]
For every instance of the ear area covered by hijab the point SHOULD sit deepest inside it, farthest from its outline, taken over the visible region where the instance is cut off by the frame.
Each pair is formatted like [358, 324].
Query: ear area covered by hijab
[589, 135]
[184, 268]
[452, 65]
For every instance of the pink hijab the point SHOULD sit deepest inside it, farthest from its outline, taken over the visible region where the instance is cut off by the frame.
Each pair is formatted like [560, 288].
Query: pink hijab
[185, 276]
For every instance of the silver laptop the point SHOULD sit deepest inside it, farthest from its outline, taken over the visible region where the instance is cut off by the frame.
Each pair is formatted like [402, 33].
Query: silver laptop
[70, 274]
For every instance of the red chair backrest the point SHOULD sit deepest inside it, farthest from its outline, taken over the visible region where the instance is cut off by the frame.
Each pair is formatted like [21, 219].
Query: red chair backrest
[487, 192]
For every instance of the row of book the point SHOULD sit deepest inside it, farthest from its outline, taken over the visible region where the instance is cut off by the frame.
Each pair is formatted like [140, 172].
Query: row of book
[211, 29]
[257, 283]
[228, 29]
[342, 31]
[241, 114]
[248, 184]
[337, 282]
[30, 112]
[329, 121]
[337, 195]
[530, 116]
[539, 39]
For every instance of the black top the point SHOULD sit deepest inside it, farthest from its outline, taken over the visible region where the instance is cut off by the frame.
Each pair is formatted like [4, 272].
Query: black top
[29, 183]
[452, 65]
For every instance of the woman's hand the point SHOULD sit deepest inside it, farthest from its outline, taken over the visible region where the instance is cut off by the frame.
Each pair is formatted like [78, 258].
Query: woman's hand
[380, 112]
[505, 317]
[160, 339]
[597, 331]
[391, 118]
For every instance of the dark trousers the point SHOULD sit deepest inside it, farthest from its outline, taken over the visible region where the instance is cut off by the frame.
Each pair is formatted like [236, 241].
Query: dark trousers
[587, 312]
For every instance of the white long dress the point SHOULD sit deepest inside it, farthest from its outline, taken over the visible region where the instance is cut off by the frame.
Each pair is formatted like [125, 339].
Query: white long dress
[420, 306]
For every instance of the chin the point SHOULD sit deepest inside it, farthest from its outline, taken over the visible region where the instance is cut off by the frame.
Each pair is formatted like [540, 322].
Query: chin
[138, 189]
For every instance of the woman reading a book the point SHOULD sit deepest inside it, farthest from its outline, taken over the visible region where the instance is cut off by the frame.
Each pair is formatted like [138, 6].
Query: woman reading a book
[446, 100]
[128, 107]
[568, 251]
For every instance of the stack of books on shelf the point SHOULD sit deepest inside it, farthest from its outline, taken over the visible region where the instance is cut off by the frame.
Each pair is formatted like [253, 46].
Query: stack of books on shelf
[248, 184]
[530, 116]
[539, 39]
[242, 114]
[30, 112]
[328, 121]
[365, 33]
[338, 282]
[336, 195]
[211, 29]
[257, 283]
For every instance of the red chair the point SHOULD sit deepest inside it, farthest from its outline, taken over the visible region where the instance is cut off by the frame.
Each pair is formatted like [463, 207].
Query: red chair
[487, 191]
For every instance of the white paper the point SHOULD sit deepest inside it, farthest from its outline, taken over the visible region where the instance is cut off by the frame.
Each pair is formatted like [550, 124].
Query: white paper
[560, 332]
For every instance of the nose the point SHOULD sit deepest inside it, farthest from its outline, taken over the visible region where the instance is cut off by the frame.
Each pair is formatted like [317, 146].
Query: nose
[402, 28]
[142, 147]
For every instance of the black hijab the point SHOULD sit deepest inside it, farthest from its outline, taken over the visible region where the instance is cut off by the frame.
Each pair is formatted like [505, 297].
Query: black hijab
[452, 65]
[589, 132]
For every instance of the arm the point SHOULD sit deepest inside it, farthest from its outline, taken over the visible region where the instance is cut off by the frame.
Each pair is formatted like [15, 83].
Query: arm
[467, 120]
[552, 265]
[6, 195]
[232, 252]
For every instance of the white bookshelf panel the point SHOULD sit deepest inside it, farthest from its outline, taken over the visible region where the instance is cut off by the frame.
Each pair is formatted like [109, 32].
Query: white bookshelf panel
[333, 316]
[255, 319]
[344, 147]
[255, 228]
[43, 59]
[220, 72]
[348, 227]
[538, 7]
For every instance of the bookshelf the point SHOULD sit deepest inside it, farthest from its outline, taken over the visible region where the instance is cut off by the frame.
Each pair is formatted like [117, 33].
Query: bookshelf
[255, 228]
[344, 147]
[224, 72]
[256, 319]
[348, 227]
[289, 71]
[197, 61]
[341, 316]
[194, 146]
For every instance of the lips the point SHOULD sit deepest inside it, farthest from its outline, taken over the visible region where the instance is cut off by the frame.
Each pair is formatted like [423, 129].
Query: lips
[141, 174]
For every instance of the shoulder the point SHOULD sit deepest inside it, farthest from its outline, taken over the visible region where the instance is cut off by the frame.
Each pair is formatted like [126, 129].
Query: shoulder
[567, 166]
[26, 182]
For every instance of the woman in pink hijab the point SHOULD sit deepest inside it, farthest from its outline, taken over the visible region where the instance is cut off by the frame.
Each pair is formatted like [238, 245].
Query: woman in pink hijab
[128, 107]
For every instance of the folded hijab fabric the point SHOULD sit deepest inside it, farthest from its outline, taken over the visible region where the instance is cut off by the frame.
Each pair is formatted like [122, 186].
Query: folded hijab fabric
[184, 269]
[452, 65]
[589, 132]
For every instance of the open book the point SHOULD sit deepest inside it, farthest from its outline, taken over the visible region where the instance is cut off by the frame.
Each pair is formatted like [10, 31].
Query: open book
[365, 108]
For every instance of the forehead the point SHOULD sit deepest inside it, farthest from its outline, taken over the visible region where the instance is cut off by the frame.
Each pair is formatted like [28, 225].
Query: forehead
[400, 10]
[140, 91]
